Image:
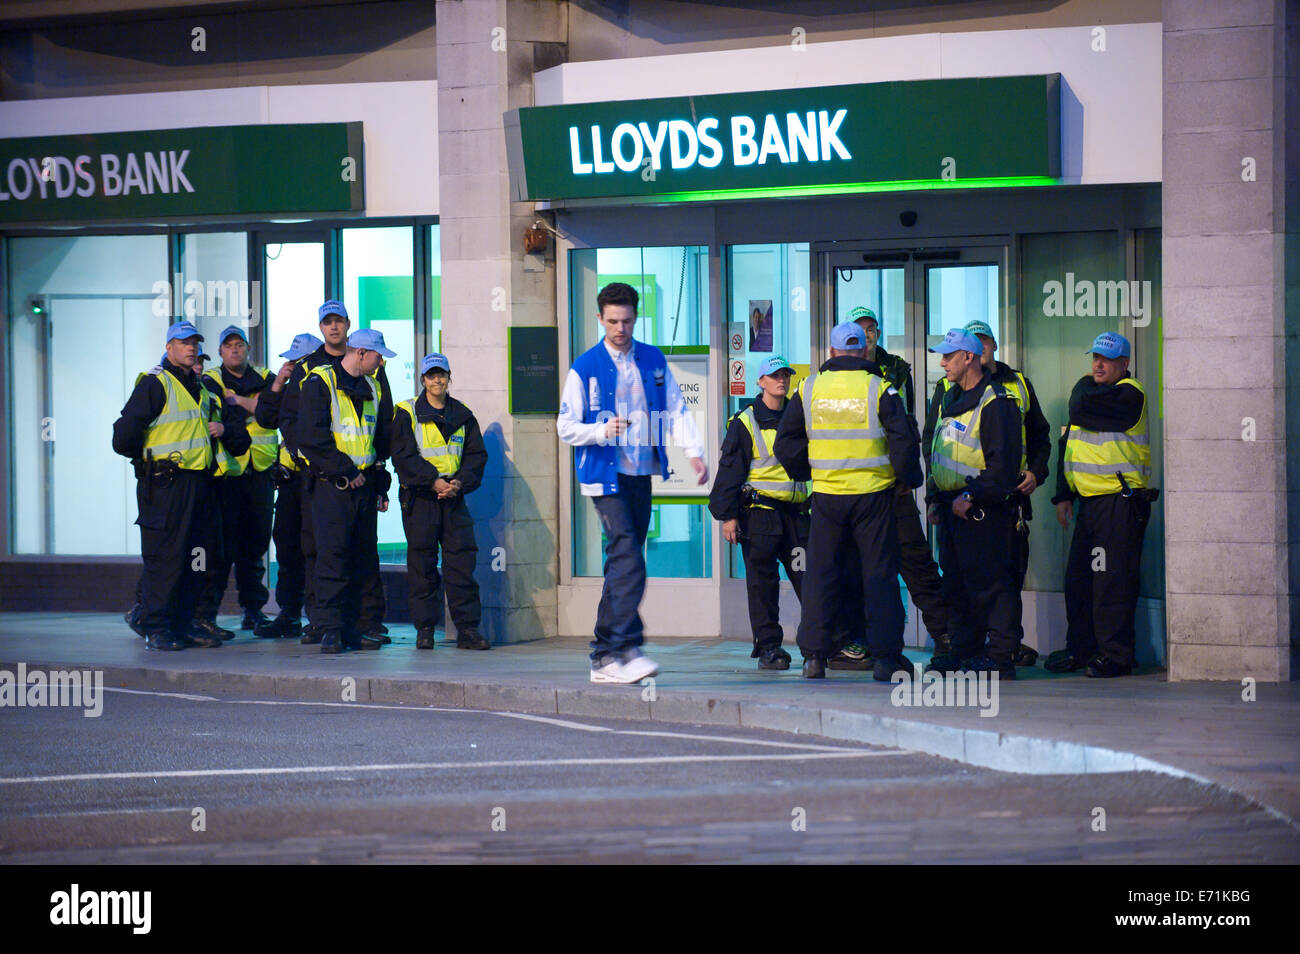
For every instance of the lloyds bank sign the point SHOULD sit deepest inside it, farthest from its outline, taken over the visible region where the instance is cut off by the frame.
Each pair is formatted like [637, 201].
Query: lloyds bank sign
[997, 130]
[168, 173]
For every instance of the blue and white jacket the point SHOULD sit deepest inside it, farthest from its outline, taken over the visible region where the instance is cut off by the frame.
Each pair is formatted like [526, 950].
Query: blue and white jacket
[589, 402]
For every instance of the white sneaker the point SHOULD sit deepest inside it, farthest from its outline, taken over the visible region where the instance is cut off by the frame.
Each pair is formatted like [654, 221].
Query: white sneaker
[624, 672]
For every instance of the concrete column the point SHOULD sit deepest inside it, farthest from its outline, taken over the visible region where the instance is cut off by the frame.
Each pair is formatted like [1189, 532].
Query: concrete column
[488, 51]
[1232, 312]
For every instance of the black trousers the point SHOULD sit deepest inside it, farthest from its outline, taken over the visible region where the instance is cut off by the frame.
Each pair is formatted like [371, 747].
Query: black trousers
[865, 522]
[1100, 603]
[374, 602]
[344, 534]
[247, 504]
[771, 537]
[307, 543]
[291, 568]
[179, 533]
[917, 566]
[981, 582]
[429, 524]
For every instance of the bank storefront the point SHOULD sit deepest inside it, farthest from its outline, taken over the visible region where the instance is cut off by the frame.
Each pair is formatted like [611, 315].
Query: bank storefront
[752, 221]
[113, 228]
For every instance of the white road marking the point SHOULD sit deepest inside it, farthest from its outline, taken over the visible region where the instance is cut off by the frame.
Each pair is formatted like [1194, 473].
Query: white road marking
[441, 766]
[156, 692]
[545, 720]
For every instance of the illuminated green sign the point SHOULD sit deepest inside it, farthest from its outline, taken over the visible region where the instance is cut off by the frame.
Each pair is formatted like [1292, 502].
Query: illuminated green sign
[165, 173]
[820, 140]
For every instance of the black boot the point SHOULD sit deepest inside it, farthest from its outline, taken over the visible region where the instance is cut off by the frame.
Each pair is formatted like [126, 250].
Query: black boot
[254, 618]
[424, 639]
[282, 627]
[470, 638]
[774, 657]
[312, 634]
[331, 642]
[209, 627]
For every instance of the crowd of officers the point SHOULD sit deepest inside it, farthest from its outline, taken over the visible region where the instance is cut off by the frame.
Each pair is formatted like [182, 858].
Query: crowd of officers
[230, 458]
[821, 482]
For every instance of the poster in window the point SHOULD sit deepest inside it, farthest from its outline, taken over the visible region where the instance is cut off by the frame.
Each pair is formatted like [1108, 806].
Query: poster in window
[760, 325]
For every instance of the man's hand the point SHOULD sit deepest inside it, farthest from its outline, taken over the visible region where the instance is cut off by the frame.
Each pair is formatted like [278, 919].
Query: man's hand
[357, 481]
[615, 426]
[216, 429]
[382, 505]
[1029, 484]
[933, 514]
[444, 488]
[701, 470]
[961, 506]
[731, 531]
[1063, 511]
[282, 376]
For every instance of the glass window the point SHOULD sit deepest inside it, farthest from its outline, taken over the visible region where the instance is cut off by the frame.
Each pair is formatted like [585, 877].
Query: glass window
[435, 290]
[294, 273]
[216, 293]
[82, 309]
[673, 283]
[379, 292]
[955, 295]
[768, 295]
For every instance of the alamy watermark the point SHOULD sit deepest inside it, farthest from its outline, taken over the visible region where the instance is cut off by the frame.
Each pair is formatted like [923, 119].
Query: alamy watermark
[212, 299]
[1084, 298]
[934, 690]
[61, 688]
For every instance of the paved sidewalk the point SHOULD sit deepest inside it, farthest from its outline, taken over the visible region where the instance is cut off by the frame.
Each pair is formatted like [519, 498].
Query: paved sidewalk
[1044, 723]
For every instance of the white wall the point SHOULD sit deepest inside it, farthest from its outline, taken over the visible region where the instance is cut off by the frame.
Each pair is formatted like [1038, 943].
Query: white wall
[1111, 113]
[401, 126]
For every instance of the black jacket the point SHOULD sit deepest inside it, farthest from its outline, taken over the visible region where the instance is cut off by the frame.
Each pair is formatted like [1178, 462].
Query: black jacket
[1097, 407]
[312, 424]
[898, 373]
[791, 447]
[280, 410]
[734, 460]
[413, 470]
[999, 440]
[147, 402]
[1038, 433]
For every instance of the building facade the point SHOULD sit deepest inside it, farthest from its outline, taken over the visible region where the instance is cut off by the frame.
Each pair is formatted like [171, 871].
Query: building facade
[755, 173]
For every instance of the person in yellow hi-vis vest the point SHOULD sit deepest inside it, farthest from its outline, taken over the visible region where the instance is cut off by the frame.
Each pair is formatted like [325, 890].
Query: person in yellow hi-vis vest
[1104, 464]
[244, 490]
[439, 456]
[763, 509]
[975, 466]
[847, 431]
[344, 436]
[171, 429]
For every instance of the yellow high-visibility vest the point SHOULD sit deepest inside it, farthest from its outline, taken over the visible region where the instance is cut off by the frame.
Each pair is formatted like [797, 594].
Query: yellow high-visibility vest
[956, 453]
[181, 428]
[444, 455]
[766, 475]
[1094, 459]
[261, 452]
[354, 435]
[1019, 391]
[847, 449]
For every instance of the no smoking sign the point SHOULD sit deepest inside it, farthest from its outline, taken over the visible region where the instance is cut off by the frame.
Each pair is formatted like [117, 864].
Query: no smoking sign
[737, 377]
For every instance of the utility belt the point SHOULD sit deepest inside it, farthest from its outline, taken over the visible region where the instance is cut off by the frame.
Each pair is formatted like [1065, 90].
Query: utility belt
[281, 476]
[1149, 494]
[377, 478]
[749, 498]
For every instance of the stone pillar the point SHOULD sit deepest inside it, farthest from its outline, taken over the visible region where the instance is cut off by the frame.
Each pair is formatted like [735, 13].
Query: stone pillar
[1231, 363]
[488, 51]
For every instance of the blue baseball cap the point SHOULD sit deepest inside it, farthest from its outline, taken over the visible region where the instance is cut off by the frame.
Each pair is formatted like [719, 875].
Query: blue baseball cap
[182, 330]
[1110, 345]
[958, 339]
[861, 312]
[846, 336]
[233, 330]
[774, 364]
[333, 307]
[978, 327]
[371, 340]
[302, 346]
[434, 362]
